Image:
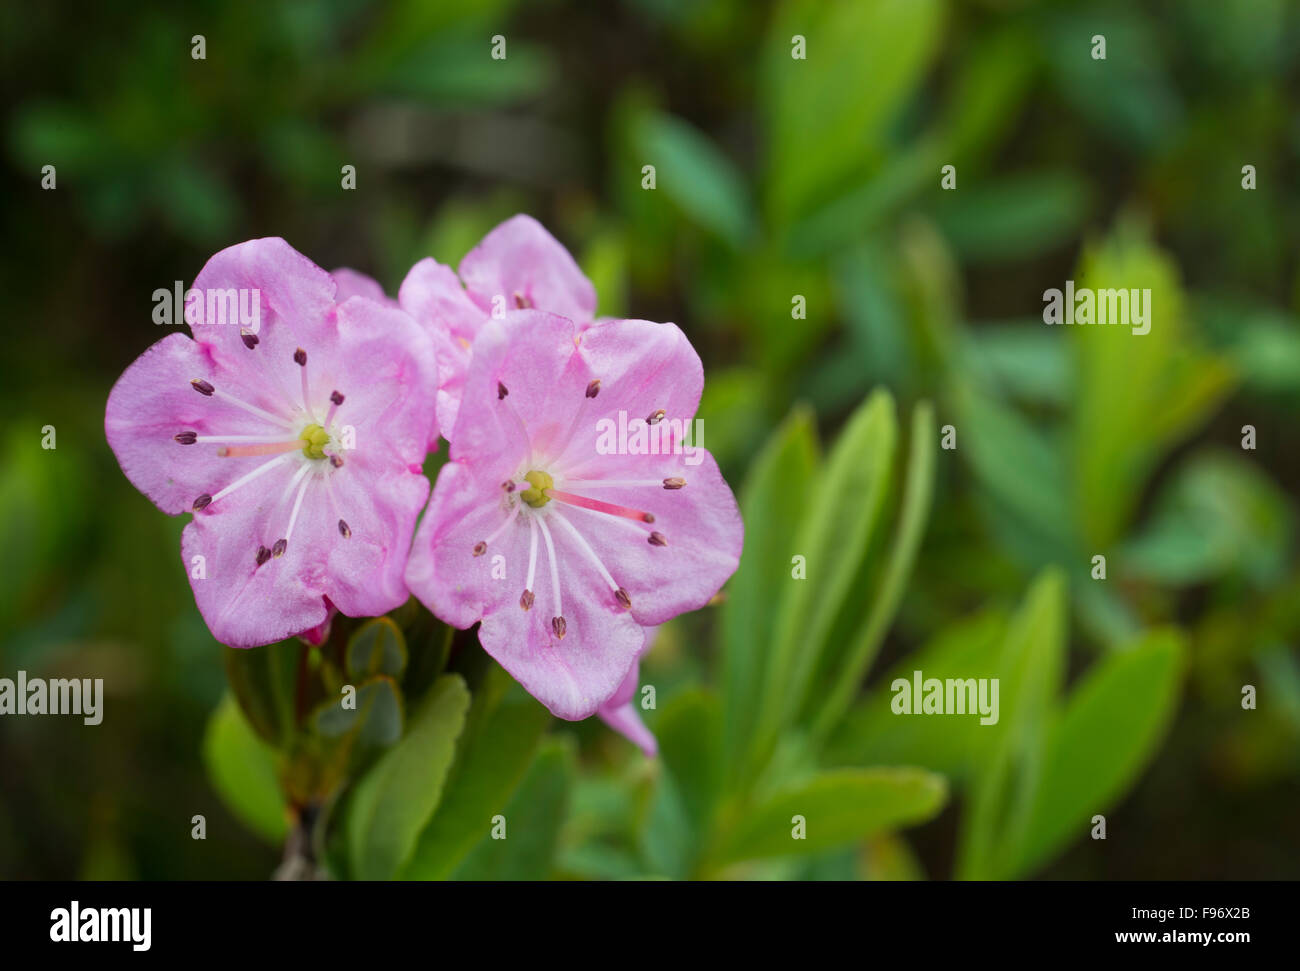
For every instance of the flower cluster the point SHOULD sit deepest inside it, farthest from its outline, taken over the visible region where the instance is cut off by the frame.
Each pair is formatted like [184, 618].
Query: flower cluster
[297, 441]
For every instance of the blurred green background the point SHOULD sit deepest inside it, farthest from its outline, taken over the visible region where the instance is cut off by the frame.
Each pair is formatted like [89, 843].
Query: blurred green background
[776, 177]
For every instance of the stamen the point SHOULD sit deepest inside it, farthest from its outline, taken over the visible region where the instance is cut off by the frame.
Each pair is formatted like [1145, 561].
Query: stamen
[251, 409]
[557, 622]
[244, 480]
[250, 339]
[481, 546]
[186, 438]
[280, 546]
[336, 399]
[501, 391]
[527, 598]
[593, 389]
[297, 504]
[508, 486]
[597, 505]
[336, 460]
[657, 539]
[263, 554]
[622, 597]
[202, 387]
[344, 531]
[300, 358]
[670, 484]
[589, 553]
[202, 502]
[522, 303]
[656, 417]
[270, 448]
[251, 439]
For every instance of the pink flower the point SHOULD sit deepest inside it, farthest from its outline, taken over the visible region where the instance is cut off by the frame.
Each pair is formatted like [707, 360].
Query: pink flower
[518, 264]
[351, 283]
[621, 712]
[537, 527]
[296, 438]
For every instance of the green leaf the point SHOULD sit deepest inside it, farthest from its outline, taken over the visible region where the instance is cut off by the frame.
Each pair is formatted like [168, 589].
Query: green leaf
[263, 680]
[377, 647]
[918, 491]
[689, 732]
[695, 175]
[1219, 514]
[839, 806]
[395, 799]
[1030, 669]
[779, 482]
[243, 771]
[1015, 218]
[375, 721]
[1109, 731]
[872, 734]
[492, 757]
[1137, 394]
[829, 114]
[532, 819]
[839, 521]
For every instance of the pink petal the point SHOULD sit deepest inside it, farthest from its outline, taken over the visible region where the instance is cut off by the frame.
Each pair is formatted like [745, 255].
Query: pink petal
[152, 402]
[433, 296]
[294, 300]
[519, 258]
[351, 283]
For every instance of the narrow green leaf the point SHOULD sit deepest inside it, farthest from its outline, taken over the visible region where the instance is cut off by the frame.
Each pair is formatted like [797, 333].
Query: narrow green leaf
[833, 538]
[695, 175]
[532, 820]
[491, 759]
[779, 482]
[862, 61]
[1030, 670]
[836, 807]
[395, 799]
[242, 770]
[918, 492]
[1110, 729]
[872, 734]
[689, 731]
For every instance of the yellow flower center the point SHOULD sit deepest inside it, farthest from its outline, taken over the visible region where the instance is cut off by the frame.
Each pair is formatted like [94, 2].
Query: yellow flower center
[314, 439]
[536, 496]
